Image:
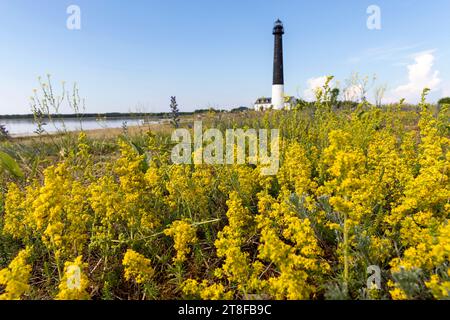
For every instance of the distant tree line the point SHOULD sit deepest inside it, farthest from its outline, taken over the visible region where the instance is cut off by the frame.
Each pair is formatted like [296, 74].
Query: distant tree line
[445, 100]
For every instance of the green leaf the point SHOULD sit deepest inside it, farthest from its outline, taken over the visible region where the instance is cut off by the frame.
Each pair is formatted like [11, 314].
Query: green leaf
[9, 164]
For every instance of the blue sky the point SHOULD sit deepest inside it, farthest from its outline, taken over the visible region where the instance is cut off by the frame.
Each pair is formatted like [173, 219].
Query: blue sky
[133, 55]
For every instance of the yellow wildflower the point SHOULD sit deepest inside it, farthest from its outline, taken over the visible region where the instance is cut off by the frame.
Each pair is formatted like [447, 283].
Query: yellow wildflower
[16, 276]
[183, 234]
[137, 267]
[74, 283]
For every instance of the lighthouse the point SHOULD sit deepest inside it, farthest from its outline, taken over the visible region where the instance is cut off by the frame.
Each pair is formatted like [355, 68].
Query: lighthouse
[278, 100]
[278, 78]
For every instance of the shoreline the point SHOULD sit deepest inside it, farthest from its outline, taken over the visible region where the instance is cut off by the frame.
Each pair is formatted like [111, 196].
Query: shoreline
[55, 131]
[160, 126]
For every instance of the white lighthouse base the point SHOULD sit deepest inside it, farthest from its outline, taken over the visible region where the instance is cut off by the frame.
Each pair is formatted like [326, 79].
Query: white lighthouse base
[278, 96]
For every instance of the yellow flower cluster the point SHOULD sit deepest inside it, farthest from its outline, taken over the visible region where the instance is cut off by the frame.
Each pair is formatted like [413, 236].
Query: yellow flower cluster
[16, 276]
[57, 212]
[396, 291]
[289, 244]
[125, 208]
[137, 267]
[74, 282]
[183, 234]
[206, 291]
[16, 209]
[188, 190]
[439, 288]
[237, 266]
[422, 215]
[296, 171]
[135, 201]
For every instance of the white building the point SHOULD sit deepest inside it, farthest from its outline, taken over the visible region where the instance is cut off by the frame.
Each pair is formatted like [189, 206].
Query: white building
[266, 103]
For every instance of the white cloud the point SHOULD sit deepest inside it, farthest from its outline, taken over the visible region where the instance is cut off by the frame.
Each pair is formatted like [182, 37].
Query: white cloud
[352, 93]
[313, 84]
[420, 75]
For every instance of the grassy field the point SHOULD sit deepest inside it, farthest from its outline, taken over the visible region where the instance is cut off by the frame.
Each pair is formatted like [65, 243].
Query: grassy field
[105, 214]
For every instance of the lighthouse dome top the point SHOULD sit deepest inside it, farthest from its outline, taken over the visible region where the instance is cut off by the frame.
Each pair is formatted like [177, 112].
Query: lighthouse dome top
[278, 27]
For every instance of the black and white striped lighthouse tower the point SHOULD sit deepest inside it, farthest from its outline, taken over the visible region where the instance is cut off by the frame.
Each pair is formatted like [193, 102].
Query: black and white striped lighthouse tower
[278, 78]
